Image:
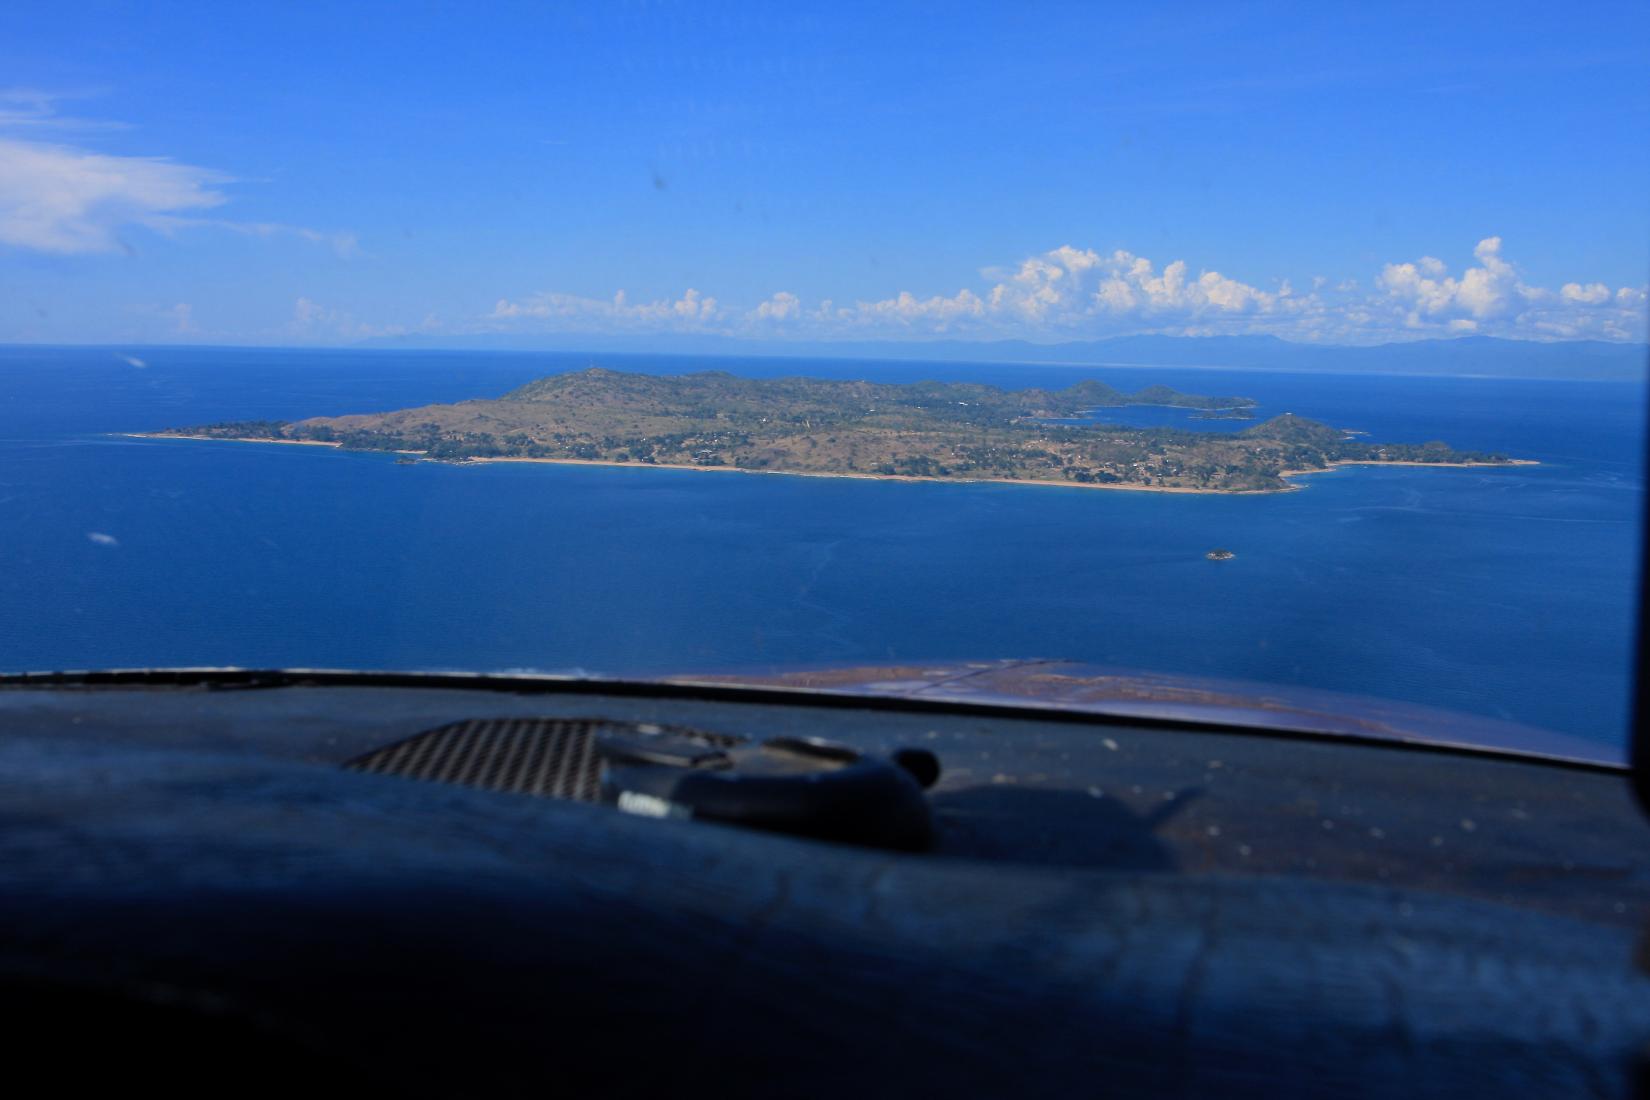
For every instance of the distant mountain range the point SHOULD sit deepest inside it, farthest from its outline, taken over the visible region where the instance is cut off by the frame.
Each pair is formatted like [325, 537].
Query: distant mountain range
[1589, 360]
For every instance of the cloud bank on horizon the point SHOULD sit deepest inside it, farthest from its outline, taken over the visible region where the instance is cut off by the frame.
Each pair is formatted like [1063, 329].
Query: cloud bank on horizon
[1073, 293]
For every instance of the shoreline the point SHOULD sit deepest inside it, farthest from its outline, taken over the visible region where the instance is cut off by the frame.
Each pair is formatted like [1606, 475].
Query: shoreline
[873, 477]
[1407, 462]
[240, 439]
[1181, 489]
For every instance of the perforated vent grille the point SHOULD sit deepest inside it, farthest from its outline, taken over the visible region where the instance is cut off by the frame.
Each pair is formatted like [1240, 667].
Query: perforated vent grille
[549, 757]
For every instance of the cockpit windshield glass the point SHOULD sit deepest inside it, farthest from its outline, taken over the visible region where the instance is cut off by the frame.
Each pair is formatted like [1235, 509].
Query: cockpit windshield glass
[1287, 361]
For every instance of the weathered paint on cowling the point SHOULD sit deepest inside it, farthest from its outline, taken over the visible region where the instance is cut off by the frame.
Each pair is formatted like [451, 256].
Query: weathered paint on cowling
[1111, 906]
[1095, 689]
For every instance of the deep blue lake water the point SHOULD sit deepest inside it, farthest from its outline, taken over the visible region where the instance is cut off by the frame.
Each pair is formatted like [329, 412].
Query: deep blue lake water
[1501, 592]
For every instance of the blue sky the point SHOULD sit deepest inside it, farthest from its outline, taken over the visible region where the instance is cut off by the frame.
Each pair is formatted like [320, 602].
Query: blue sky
[319, 174]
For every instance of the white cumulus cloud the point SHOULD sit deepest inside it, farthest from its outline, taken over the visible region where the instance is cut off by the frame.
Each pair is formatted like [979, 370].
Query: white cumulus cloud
[1073, 293]
[936, 314]
[1428, 292]
[1492, 297]
[1592, 294]
[783, 306]
[1132, 284]
[571, 312]
[1071, 290]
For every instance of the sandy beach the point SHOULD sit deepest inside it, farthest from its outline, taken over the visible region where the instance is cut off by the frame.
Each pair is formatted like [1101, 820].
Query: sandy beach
[233, 439]
[876, 477]
[868, 477]
[1400, 462]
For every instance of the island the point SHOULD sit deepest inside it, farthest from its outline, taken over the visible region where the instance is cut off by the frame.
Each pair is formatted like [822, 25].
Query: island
[951, 431]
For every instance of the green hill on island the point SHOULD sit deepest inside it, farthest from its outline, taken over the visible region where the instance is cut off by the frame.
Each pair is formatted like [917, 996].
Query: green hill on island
[942, 430]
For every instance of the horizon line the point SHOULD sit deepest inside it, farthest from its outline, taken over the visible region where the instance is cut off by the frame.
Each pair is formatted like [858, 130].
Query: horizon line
[390, 344]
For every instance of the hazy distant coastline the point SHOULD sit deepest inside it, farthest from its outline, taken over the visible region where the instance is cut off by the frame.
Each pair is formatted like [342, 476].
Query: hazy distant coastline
[1465, 356]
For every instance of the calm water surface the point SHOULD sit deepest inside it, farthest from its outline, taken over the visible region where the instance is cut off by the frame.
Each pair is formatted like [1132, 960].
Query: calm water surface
[1503, 592]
